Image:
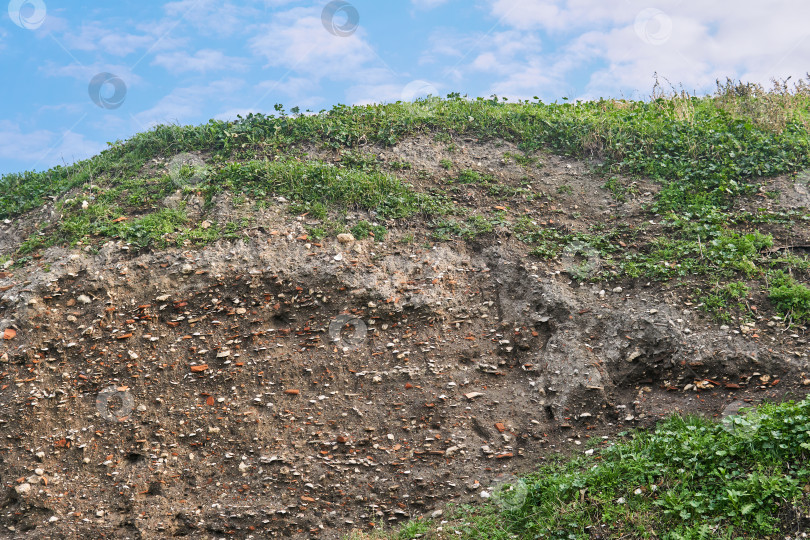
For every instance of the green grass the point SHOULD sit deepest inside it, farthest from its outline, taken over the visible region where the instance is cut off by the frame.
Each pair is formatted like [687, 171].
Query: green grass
[314, 187]
[723, 300]
[689, 478]
[364, 229]
[704, 149]
[791, 298]
[315, 183]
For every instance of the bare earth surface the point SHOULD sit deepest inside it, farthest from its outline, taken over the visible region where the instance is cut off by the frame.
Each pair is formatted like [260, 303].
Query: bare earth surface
[286, 388]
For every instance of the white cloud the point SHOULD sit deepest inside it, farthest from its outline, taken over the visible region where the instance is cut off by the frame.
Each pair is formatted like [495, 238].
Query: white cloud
[213, 16]
[183, 105]
[201, 61]
[86, 73]
[297, 40]
[542, 45]
[428, 4]
[95, 36]
[43, 148]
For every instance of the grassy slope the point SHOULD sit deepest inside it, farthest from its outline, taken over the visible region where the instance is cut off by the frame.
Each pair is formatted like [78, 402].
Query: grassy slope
[706, 152]
[691, 478]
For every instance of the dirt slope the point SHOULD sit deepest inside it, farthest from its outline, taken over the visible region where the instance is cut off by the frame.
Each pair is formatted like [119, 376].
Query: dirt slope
[282, 387]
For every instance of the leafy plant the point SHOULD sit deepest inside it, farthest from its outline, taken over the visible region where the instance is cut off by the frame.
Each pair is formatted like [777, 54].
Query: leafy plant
[791, 298]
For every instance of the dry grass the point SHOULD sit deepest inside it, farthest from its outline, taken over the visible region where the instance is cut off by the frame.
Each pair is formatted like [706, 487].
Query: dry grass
[772, 109]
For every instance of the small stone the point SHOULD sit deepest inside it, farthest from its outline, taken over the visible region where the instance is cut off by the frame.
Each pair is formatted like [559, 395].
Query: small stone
[100, 513]
[23, 489]
[205, 224]
[40, 455]
[187, 269]
[84, 299]
[473, 395]
[485, 494]
[53, 519]
[345, 238]
[338, 257]
[141, 408]
[39, 472]
[617, 290]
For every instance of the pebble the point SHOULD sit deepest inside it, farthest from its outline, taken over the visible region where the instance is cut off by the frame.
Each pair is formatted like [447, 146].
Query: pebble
[345, 238]
[23, 489]
[84, 299]
[617, 290]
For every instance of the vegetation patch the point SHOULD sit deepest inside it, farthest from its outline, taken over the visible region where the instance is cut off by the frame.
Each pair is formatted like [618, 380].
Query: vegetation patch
[690, 478]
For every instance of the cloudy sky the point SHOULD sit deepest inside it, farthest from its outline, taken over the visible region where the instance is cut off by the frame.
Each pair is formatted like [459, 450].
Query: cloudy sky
[79, 74]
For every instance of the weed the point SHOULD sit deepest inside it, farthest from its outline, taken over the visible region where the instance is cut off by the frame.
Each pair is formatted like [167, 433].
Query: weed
[401, 165]
[789, 297]
[723, 298]
[364, 229]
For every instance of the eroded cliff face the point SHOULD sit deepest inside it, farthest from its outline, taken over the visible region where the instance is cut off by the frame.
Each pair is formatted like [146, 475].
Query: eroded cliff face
[278, 385]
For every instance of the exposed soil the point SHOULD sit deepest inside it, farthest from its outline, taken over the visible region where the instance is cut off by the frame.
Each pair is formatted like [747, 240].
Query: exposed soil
[286, 388]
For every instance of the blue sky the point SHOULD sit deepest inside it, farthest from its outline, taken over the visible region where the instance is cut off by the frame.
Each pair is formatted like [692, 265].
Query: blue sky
[188, 61]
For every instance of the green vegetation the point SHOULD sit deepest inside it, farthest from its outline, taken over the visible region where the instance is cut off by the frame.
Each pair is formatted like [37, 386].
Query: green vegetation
[790, 297]
[468, 229]
[619, 190]
[364, 229]
[724, 298]
[690, 478]
[523, 160]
